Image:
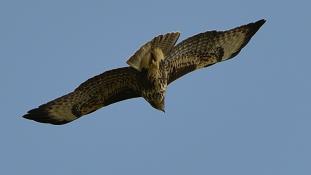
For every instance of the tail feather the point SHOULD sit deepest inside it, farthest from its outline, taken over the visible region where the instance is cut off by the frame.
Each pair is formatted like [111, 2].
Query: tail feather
[142, 57]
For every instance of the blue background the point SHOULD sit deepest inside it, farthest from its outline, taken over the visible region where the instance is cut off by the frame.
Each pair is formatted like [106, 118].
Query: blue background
[248, 115]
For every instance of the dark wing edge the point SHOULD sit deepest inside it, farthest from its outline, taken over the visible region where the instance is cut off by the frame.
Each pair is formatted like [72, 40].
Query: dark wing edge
[56, 112]
[104, 89]
[252, 28]
[208, 48]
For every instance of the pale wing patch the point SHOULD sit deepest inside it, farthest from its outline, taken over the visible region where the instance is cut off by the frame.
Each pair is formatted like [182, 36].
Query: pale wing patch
[142, 57]
[231, 44]
[62, 112]
[158, 54]
[58, 111]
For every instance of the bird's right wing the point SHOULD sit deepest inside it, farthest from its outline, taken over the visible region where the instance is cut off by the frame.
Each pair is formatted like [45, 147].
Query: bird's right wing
[208, 48]
[142, 56]
[104, 89]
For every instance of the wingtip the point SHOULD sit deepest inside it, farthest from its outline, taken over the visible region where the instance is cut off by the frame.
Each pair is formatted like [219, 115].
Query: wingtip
[26, 116]
[253, 28]
[42, 116]
[256, 25]
[259, 23]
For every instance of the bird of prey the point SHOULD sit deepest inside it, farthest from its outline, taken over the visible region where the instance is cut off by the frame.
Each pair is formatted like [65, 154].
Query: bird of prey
[151, 69]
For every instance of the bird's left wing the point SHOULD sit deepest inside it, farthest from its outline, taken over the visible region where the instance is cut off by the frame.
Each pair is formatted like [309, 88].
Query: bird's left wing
[208, 48]
[104, 89]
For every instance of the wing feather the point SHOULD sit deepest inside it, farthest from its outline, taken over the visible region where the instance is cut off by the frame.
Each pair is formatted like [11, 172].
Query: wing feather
[208, 48]
[104, 89]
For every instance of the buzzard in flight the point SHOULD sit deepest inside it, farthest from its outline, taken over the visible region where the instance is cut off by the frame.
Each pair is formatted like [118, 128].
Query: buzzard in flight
[154, 66]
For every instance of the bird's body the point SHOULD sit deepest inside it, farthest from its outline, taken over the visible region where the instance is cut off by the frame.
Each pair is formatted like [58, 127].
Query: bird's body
[152, 68]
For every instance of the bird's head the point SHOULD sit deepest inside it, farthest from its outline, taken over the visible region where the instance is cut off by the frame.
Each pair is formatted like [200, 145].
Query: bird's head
[157, 100]
[159, 105]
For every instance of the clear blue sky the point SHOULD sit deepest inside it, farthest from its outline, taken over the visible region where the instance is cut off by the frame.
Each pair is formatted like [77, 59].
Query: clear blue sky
[249, 115]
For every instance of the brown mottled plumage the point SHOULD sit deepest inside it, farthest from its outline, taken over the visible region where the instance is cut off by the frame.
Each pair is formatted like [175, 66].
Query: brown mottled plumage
[156, 64]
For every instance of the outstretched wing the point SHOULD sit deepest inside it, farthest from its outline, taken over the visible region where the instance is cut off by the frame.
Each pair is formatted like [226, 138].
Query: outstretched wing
[142, 56]
[104, 89]
[208, 48]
